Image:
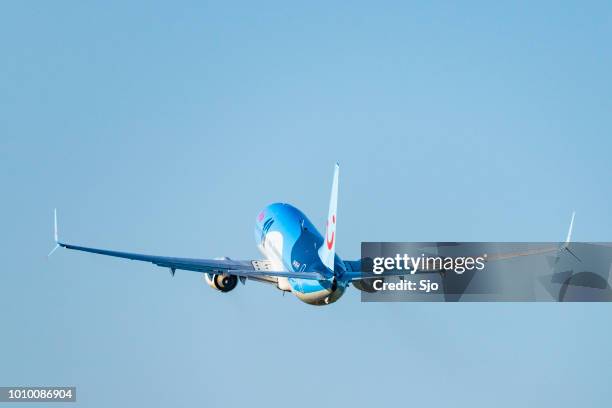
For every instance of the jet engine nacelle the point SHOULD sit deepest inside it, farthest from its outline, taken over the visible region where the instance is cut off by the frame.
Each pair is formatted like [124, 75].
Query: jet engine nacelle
[366, 285]
[221, 282]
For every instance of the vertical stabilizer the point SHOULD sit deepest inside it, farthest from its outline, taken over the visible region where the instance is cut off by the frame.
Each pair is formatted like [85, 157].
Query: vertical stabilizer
[327, 251]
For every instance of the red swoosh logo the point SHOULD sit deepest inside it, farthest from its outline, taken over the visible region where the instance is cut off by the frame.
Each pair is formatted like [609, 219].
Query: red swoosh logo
[333, 235]
[330, 243]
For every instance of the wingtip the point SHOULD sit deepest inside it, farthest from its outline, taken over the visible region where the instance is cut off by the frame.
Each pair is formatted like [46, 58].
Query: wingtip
[568, 239]
[55, 235]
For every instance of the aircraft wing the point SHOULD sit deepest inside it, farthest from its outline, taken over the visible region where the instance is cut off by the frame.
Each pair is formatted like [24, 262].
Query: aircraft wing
[247, 269]
[354, 267]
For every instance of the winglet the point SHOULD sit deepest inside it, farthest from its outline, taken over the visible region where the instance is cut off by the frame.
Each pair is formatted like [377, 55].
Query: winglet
[55, 225]
[568, 240]
[327, 251]
[55, 236]
[569, 232]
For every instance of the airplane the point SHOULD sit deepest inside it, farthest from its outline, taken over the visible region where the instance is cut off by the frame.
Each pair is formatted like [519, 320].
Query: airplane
[297, 258]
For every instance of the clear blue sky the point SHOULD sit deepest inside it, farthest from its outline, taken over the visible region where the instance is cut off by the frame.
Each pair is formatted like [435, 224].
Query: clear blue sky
[164, 128]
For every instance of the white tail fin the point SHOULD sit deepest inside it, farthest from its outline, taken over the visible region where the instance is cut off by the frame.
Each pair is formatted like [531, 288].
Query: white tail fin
[327, 252]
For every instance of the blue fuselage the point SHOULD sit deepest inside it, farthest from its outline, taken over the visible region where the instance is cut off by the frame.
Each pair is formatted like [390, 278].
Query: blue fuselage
[287, 238]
